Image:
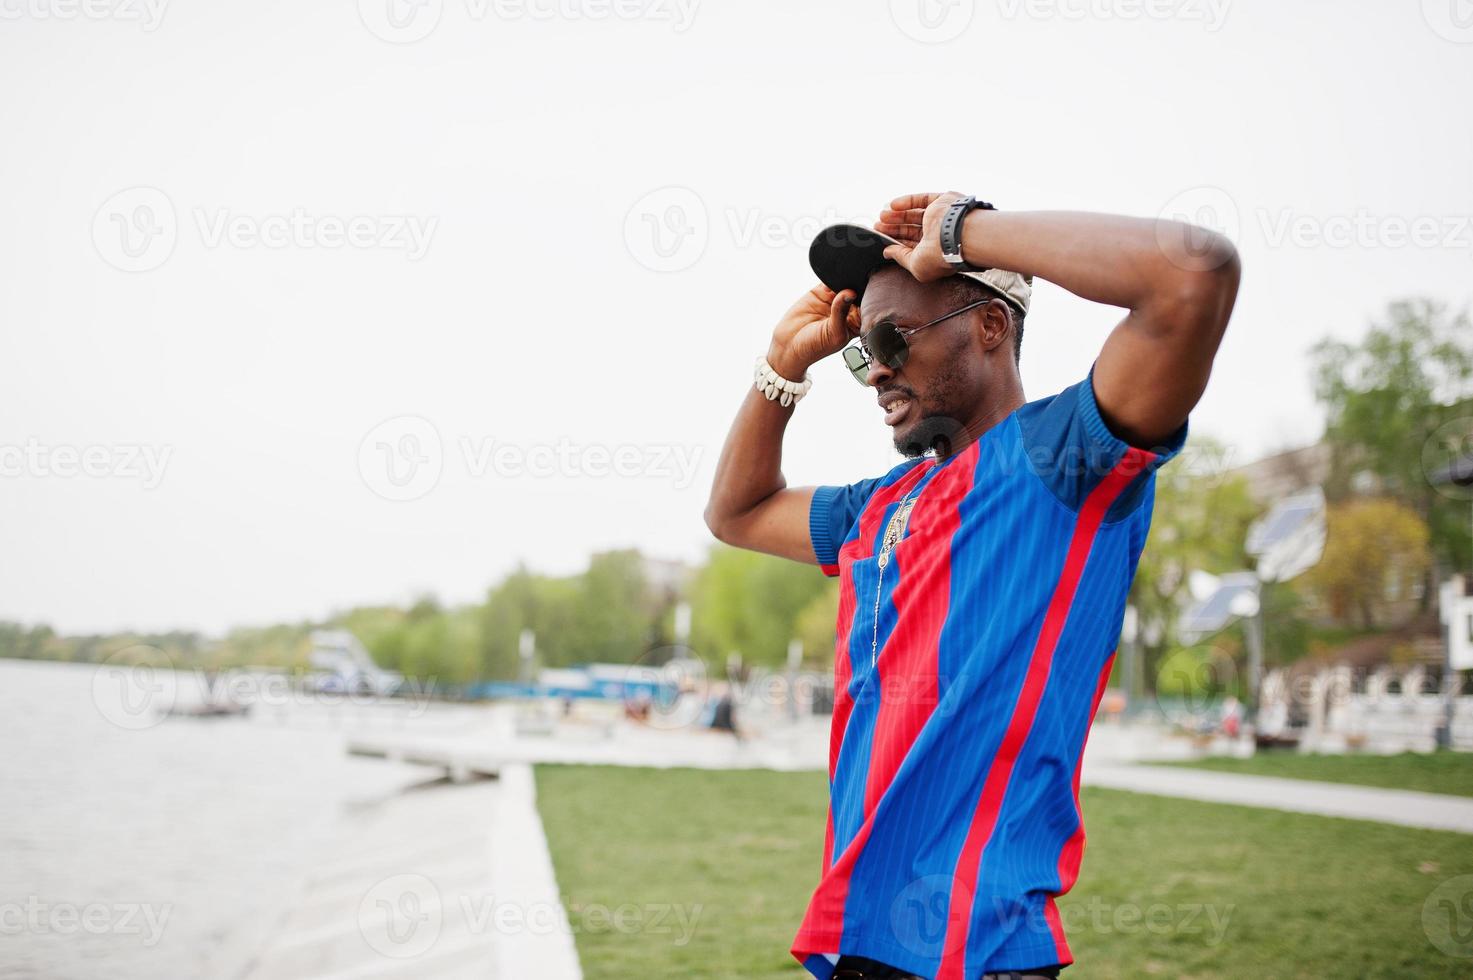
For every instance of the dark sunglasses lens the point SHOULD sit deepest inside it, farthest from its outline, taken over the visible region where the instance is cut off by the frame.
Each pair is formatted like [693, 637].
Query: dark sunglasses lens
[857, 364]
[887, 345]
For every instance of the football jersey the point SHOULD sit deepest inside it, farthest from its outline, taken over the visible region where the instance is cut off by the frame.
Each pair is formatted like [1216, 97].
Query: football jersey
[981, 597]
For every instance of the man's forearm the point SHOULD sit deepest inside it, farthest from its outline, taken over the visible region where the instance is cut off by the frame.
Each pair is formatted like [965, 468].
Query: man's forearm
[1124, 262]
[750, 468]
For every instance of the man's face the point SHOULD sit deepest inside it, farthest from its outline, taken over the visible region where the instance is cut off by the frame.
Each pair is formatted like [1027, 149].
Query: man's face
[944, 379]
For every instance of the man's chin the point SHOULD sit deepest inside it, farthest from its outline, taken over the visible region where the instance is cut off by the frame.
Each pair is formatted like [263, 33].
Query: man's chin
[932, 433]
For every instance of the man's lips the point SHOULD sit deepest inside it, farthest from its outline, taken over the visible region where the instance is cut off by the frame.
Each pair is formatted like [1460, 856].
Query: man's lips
[896, 405]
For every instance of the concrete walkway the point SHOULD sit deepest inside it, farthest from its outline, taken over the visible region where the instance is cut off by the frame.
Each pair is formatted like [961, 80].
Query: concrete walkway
[1430, 811]
[442, 881]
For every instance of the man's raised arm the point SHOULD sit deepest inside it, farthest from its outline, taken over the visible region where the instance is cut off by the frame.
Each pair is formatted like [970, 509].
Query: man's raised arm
[751, 505]
[1178, 282]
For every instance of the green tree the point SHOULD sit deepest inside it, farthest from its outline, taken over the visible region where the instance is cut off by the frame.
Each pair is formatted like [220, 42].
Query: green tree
[1384, 399]
[1199, 523]
[815, 626]
[749, 603]
[1374, 549]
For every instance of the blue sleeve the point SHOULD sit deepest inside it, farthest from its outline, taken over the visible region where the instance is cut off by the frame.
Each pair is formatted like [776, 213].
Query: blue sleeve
[1071, 448]
[835, 510]
[832, 514]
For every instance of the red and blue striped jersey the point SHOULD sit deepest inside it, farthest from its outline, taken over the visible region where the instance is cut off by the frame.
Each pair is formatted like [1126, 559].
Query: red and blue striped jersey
[980, 600]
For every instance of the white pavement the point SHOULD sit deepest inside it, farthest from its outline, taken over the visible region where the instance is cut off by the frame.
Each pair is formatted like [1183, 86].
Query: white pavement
[1430, 811]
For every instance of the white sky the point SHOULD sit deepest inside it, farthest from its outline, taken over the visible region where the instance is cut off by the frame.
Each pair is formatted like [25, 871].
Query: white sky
[533, 143]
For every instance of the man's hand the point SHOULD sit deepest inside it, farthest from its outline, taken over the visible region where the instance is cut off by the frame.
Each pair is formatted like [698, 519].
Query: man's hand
[915, 220]
[819, 324]
[1178, 282]
[751, 505]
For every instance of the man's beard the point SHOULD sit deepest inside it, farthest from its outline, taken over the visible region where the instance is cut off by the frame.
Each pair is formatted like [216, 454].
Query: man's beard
[940, 434]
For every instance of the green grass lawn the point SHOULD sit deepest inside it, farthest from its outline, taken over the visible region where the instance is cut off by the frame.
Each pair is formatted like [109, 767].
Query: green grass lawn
[691, 874]
[1442, 772]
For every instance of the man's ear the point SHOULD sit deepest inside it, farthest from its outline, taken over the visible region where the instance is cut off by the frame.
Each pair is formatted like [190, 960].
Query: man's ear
[997, 324]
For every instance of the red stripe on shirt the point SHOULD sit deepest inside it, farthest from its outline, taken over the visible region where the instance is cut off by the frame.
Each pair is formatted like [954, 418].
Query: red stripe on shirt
[861, 546]
[1073, 851]
[907, 667]
[984, 819]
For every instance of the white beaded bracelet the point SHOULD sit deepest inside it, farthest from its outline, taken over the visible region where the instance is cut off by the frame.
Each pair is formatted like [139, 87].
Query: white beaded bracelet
[775, 387]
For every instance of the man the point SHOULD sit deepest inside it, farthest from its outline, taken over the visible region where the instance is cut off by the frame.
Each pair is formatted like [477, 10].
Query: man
[983, 580]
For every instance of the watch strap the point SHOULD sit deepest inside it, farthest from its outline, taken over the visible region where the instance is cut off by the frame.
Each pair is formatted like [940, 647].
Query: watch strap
[951, 232]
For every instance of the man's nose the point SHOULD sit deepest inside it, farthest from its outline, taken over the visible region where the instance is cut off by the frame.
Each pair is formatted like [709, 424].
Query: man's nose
[879, 374]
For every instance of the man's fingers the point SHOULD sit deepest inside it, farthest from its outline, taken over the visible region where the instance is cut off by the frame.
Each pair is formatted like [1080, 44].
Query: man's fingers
[899, 254]
[906, 233]
[910, 216]
[840, 313]
[912, 202]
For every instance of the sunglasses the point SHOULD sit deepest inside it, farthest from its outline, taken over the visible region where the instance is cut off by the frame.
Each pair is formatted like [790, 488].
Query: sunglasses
[889, 344]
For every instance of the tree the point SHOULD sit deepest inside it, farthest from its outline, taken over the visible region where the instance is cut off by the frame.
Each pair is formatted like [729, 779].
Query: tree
[1384, 399]
[749, 603]
[1373, 549]
[1199, 523]
[816, 623]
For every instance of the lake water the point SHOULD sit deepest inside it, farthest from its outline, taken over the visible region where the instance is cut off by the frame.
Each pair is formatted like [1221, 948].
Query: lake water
[139, 846]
